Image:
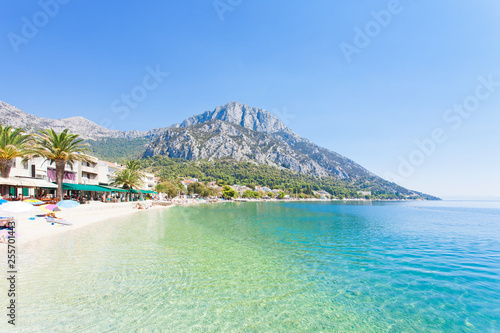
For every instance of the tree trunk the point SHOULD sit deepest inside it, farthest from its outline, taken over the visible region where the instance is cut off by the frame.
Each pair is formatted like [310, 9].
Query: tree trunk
[60, 165]
[5, 166]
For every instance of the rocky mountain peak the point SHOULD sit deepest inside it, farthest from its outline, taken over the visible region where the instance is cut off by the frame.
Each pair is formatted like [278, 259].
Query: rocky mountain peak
[243, 115]
[13, 116]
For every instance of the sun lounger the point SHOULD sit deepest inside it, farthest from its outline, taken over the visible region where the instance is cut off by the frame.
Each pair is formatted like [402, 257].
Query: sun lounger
[50, 219]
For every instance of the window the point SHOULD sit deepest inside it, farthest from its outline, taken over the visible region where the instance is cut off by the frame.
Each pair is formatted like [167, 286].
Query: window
[25, 165]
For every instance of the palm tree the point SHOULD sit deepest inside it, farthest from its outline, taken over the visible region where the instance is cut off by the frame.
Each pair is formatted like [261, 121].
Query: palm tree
[129, 179]
[133, 165]
[61, 149]
[13, 143]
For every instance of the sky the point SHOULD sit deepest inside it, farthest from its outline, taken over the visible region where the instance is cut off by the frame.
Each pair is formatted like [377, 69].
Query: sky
[408, 89]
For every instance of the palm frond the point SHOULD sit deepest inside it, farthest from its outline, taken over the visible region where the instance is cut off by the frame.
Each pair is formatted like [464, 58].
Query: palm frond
[63, 146]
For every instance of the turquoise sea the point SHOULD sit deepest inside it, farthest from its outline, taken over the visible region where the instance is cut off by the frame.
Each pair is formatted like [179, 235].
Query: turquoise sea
[270, 267]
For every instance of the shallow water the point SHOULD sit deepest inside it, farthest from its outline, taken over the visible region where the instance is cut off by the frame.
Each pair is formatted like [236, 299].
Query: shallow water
[274, 267]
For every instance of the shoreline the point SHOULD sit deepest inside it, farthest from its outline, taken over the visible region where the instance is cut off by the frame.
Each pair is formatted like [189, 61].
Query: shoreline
[84, 215]
[31, 230]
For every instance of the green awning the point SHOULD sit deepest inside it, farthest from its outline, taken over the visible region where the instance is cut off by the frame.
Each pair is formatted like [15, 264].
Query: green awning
[81, 187]
[101, 188]
[142, 191]
[117, 189]
[114, 189]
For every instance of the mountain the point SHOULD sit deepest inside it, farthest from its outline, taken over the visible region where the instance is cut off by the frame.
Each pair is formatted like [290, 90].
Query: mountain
[236, 133]
[244, 133]
[12, 116]
[243, 115]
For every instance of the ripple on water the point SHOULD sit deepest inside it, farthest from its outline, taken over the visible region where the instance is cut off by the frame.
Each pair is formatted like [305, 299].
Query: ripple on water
[268, 267]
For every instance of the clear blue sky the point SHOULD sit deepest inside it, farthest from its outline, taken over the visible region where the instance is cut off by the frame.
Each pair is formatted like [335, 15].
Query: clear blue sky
[286, 57]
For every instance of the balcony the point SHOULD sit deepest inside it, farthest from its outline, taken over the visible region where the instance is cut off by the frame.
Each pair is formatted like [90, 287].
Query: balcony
[64, 180]
[90, 169]
[91, 181]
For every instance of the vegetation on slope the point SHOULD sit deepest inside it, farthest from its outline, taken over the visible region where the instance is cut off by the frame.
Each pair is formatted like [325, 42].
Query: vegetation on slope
[228, 171]
[118, 149]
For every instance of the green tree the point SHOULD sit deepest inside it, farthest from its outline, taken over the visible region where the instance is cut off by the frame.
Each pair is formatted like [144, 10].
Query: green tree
[13, 143]
[60, 149]
[281, 195]
[252, 186]
[134, 165]
[249, 194]
[134, 176]
[201, 190]
[229, 193]
[128, 179]
[168, 187]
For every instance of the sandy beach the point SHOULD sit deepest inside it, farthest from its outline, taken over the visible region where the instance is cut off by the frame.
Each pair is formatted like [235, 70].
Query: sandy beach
[28, 230]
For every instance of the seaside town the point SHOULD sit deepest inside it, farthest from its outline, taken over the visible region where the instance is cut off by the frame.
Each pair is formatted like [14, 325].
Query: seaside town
[94, 180]
[50, 177]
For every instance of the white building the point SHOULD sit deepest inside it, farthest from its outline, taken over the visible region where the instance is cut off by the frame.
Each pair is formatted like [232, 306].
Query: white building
[240, 188]
[149, 181]
[39, 173]
[323, 194]
[41, 169]
[107, 172]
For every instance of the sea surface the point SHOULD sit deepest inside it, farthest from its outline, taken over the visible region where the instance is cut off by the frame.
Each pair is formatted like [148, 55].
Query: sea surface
[270, 267]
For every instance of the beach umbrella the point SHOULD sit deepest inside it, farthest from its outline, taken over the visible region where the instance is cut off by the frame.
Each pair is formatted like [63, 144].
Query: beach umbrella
[50, 208]
[68, 204]
[33, 201]
[16, 207]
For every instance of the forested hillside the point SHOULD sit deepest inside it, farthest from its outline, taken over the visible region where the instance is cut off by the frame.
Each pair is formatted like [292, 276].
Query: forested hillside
[231, 172]
[118, 149]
